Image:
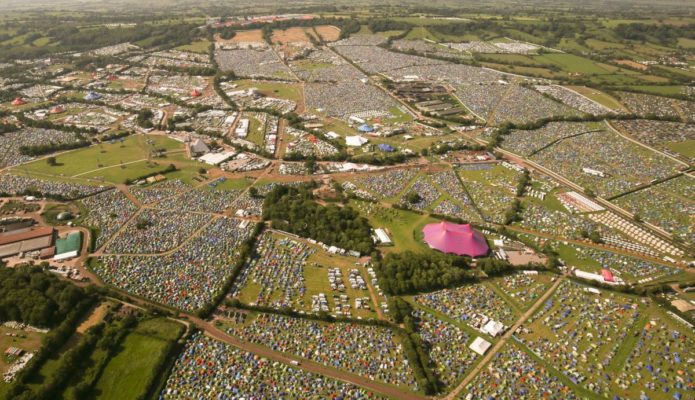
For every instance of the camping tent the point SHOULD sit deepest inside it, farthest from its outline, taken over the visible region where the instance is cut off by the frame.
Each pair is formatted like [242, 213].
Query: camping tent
[453, 238]
[355, 141]
[386, 148]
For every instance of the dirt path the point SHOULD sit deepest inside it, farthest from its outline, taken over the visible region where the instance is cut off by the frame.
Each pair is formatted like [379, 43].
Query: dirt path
[304, 364]
[503, 340]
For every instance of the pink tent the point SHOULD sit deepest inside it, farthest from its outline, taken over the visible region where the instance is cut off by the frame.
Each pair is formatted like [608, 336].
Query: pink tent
[453, 238]
[607, 275]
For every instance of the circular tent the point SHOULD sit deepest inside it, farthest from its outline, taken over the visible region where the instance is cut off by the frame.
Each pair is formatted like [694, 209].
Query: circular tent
[457, 239]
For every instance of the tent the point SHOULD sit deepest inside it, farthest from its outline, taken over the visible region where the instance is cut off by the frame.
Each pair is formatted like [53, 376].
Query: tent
[92, 96]
[365, 128]
[607, 275]
[195, 93]
[386, 148]
[459, 239]
[480, 345]
[18, 102]
[355, 141]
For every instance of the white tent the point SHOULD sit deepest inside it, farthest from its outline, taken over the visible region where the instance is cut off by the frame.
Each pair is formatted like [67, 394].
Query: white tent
[480, 345]
[355, 141]
[493, 328]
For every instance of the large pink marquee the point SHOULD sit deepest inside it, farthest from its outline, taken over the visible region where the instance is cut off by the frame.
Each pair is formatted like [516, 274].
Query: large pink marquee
[457, 239]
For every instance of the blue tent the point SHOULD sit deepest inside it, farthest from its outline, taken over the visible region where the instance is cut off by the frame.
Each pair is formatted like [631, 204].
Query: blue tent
[365, 128]
[92, 96]
[386, 147]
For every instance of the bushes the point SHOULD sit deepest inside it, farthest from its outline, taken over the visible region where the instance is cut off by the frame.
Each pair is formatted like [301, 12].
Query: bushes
[411, 272]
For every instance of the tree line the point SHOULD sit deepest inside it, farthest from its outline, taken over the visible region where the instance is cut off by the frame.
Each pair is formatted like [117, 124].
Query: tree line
[34, 297]
[410, 272]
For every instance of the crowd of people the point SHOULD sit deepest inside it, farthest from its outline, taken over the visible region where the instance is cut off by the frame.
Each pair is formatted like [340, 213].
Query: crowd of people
[186, 279]
[481, 99]
[579, 332]
[365, 350]
[473, 305]
[155, 231]
[207, 368]
[277, 270]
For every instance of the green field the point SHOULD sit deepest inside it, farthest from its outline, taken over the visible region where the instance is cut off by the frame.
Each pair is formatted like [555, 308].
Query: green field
[405, 227]
[289, 91]
[200, 46]
[598, 96]
[128, 374]
[113, 161]
[686, 148]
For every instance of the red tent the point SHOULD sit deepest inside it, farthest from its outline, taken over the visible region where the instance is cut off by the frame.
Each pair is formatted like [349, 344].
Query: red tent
[607, 275]
[57, 110]
[457, 239]
[196, 93]
[18, 102]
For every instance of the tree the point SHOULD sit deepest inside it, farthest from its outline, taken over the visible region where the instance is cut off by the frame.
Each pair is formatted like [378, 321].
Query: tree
[51, 161]
[413, 198]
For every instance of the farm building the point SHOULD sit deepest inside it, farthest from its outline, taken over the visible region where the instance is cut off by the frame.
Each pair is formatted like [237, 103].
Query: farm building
[27, 239]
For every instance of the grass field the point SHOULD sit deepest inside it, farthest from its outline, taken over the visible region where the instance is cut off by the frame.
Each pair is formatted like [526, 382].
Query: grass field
[113, 161]
[289, 91]
[405, 227]
[200, 46]
[598, 96]
[127, 375]
[661, 90]
[686, 148]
